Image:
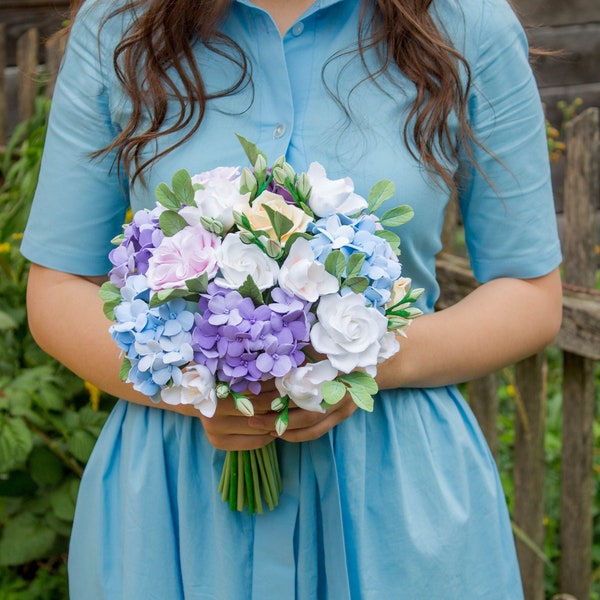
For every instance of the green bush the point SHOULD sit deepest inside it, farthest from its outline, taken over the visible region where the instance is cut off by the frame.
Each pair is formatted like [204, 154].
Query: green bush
[49, 418]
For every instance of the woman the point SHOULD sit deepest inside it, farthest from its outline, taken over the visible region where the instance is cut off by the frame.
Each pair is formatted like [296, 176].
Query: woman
[434, 95]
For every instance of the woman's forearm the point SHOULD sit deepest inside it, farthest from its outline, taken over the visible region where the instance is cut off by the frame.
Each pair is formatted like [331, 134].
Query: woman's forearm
[501, 322]
[66, 320]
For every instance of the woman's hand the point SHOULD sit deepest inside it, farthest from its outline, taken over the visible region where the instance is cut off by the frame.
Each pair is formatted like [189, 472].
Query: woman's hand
[229, 429]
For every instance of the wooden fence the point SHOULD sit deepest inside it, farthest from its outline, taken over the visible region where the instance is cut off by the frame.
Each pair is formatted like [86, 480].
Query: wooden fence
[579, 341]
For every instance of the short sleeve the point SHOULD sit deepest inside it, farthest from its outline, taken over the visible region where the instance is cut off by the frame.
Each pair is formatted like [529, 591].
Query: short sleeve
[507, 205]
[80, 202]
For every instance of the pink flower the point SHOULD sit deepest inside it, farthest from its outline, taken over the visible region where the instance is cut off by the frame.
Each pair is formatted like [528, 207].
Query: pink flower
[185, 255]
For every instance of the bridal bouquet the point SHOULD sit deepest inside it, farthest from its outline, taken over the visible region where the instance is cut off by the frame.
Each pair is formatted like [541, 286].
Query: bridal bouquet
[237, 277]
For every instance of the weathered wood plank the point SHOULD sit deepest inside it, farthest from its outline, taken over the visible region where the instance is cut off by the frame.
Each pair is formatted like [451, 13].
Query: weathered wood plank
[3, 97]
[483, 400]
[27, 62]
[529, 469]
[535, 13]
[581, 193]
[580, 331]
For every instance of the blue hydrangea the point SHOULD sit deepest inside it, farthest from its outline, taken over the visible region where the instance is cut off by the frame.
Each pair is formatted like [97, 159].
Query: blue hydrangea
[352, 235]
[156, 341]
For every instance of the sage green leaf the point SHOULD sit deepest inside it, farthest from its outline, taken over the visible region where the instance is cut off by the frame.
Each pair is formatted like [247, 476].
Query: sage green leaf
[249, 289]
[383, 190]
[16, 442]
[80, 444]
[355, 264]
[335, 263]
[333, 392]
[111, 297]
[397, 216]
[197, 285]
[171, 222]
[281, 224]
[251, 150]
[25, 538]
[183, 187]
[364, 381]
[391, 238]
[166, 197]
[362, 399]
[165, 295]
[124, 370]
[357, 284]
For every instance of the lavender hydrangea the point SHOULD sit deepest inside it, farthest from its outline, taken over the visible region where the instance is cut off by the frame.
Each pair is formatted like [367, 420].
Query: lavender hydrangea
[156, 341]
[350, 235]
[140, 237]
[244, 344]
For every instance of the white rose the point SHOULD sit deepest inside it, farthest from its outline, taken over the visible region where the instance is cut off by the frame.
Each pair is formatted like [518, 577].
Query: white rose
[302, 276]
[197, 388]
[348, 332]
[219, 198]
[329, 196]
[399, 290]
[237, 260]
[303, 385]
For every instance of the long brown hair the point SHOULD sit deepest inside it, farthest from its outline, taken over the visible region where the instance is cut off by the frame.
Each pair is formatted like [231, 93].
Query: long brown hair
[162, 36]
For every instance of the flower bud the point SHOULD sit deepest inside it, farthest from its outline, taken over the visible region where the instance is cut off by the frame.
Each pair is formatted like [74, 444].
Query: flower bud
[260, 168]
[278, 404]
[303, 187]
[279, 175]
[273, 248]
[281, 424]
[248, 182]
[222, 390]
[247, 237]
[244, 405]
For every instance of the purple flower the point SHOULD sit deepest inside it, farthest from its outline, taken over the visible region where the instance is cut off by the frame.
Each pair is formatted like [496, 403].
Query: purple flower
[140, 237]
[244, 344]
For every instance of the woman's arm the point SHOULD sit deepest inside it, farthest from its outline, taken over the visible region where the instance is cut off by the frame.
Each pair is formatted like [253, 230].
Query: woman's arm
[501, 322]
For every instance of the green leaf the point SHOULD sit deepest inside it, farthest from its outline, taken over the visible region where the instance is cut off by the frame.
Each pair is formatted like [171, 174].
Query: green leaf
[124, 370]
[391, 238]
[25, 538]
[397, 216]
[80, 444]
[362, 399]
[360, 380]
[166, 197]
[163, 296]
[62, 500]
[281, 224]
[111, 296]
[171, 222]
[357, 284]
[16, 484]
[249, 289]
[335, 263]
[183, 187]
[251, 150]
[45, 467]
[383, 190]
[16, 442]
[197, 285]
[333, 392]
[6, 321]
[355, 263]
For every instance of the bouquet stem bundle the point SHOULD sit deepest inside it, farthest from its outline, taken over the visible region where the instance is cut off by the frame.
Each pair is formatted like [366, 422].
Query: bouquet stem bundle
[247, 472]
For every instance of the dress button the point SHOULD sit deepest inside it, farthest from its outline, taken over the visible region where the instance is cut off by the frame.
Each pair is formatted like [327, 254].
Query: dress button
[298, 28]
[279, 130]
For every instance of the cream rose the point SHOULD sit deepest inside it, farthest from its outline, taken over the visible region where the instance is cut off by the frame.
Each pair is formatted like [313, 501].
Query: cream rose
[259, 219]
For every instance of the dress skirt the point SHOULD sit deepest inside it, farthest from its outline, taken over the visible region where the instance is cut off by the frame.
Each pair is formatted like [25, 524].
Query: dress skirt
[401, 503]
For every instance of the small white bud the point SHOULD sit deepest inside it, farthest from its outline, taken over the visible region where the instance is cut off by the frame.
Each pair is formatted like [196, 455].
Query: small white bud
[281, 424]
[244, 405]
[222, 390]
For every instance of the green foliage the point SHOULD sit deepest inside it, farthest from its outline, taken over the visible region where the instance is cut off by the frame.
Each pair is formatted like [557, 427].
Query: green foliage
[508, 414]
[49, 418]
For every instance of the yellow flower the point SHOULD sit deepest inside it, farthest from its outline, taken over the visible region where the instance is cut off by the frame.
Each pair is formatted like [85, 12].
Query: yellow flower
[259, 219]
[4, 248]
[94, 393]
[17, 236]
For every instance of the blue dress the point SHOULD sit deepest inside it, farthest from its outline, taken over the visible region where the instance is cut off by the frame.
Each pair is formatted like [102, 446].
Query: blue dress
[402, 503]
